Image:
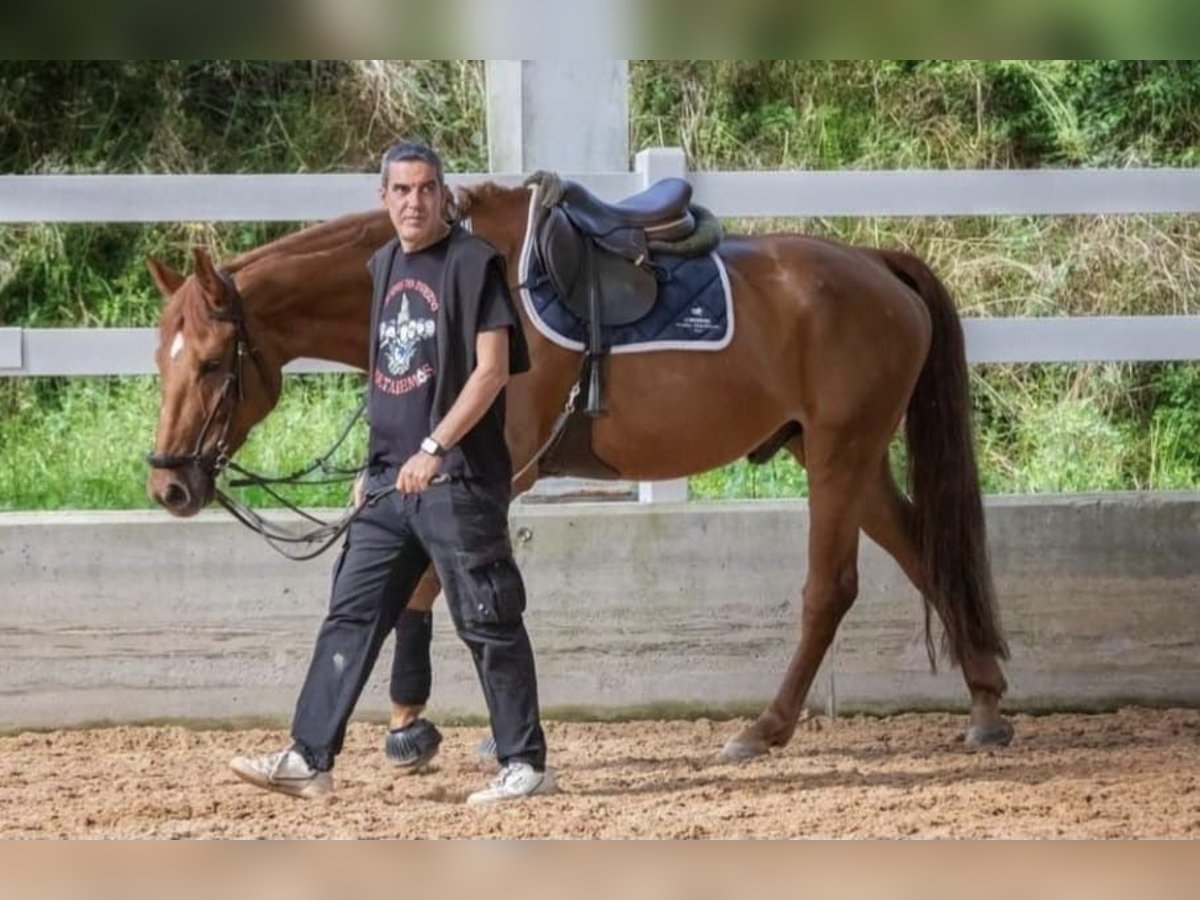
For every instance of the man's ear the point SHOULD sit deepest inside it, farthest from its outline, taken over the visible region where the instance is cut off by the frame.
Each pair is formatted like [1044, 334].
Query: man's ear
[167, 279]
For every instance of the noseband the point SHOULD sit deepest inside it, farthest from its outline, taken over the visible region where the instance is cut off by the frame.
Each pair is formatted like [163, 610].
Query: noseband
[213, 459]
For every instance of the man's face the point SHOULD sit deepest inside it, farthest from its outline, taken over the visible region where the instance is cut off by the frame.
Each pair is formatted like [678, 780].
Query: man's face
[414, 199]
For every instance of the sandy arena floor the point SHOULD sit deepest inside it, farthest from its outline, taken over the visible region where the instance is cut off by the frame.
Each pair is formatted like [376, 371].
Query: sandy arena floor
[1135, 773]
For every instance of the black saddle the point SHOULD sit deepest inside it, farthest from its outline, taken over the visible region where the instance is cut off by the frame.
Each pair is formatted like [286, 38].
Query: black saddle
[585, 244]
[597, 255]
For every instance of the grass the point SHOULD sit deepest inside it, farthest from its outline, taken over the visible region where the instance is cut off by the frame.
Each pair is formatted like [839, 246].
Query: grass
[79, 443]
[82, 445]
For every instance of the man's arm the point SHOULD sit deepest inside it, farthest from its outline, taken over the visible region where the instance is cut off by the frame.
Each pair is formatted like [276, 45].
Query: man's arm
[483, 386]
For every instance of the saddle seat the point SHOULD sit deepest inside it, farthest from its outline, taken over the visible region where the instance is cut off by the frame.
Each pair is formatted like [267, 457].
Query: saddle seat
[662, 210]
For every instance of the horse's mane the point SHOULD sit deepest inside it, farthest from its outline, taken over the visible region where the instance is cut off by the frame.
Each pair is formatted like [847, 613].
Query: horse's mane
[353, 228]
[482, 194]
[366, 228]
[370, 228]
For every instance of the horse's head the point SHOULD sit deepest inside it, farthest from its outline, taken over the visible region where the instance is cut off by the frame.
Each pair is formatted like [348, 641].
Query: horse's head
[216, 383]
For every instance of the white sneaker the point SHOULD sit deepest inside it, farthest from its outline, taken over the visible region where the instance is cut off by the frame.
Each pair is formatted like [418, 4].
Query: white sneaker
[516, 780]
[285, 772]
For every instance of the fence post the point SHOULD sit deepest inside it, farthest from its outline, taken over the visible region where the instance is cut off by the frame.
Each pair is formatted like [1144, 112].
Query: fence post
[653, 164]
[565, 116]
[561, 115]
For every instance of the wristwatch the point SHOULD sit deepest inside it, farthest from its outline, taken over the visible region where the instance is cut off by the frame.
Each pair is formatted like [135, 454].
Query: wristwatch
[432, 447]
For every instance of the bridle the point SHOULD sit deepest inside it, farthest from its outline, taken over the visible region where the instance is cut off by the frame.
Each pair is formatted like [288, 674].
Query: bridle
[213, 460]
[213, 456]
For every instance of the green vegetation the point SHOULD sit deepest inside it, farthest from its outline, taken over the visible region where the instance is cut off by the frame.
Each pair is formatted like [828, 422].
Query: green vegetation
[78, 443]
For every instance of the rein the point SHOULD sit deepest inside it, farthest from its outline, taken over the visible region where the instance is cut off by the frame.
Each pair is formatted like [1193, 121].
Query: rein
[281, 537]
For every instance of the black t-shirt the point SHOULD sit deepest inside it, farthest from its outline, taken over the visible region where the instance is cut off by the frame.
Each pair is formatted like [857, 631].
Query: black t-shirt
[406, 359]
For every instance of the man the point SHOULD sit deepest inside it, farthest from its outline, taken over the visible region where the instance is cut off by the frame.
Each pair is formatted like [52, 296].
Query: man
[444, 338]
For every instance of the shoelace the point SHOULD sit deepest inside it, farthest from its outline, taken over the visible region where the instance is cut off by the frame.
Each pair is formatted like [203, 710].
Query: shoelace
[280, 759]
[278, 764]
[507, 774]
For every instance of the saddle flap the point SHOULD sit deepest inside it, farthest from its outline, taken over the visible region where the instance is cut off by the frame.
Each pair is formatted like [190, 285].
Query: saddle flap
[560, 249]
[627, 291]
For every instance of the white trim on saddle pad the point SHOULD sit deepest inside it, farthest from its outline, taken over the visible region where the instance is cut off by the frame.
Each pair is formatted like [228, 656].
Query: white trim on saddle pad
[554, 337]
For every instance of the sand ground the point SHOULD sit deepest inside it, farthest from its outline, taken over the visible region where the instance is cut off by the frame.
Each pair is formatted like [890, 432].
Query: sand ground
[1134, 773]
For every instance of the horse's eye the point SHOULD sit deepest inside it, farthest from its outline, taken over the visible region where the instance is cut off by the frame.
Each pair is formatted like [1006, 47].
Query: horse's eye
[209, 366]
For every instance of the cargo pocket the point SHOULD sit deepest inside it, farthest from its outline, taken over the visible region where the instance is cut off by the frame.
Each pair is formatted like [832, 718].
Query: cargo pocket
[493, 591]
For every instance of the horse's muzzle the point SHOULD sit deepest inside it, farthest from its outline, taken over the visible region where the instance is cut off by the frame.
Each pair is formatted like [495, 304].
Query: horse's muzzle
[182, 488]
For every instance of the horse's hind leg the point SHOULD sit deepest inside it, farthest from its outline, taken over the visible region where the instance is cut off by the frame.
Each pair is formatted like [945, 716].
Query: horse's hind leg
[839, 467]
[888, 521]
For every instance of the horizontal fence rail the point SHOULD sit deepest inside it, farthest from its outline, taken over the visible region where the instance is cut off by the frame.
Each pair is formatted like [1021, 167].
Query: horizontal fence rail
[223, 198]
[1036, 192]
[299, 198]
[98, 351]
[130, 351]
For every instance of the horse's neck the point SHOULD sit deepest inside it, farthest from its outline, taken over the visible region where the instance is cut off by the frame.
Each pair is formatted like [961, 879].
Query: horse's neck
[313, 306]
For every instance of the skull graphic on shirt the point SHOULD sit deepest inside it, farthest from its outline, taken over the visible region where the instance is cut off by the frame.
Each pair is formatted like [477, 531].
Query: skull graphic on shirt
[399, 337]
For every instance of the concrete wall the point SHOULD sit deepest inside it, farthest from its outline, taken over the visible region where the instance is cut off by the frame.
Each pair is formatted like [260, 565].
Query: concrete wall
[138, 616]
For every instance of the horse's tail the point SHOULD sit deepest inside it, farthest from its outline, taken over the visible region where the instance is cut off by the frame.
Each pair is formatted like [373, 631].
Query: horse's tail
[943, 480]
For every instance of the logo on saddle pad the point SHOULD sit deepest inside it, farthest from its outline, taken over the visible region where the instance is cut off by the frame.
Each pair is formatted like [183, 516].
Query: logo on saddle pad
[697, 320]
[399, 337]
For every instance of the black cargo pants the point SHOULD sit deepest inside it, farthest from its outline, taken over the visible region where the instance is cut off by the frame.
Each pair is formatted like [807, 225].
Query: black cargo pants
[462, 527]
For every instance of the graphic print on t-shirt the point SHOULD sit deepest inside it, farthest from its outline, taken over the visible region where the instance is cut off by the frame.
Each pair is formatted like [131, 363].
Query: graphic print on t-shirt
[406, 338]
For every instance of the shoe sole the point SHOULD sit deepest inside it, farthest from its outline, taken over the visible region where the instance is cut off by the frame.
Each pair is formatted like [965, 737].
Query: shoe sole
[306, 792]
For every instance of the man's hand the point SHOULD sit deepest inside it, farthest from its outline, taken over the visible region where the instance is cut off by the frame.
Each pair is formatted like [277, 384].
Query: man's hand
[416, 474]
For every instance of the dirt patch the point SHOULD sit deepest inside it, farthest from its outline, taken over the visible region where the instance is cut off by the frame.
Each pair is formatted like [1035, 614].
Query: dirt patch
[1135, 773]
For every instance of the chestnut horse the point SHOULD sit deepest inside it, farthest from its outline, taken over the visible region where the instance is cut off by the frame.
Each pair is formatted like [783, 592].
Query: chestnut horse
[835, 346]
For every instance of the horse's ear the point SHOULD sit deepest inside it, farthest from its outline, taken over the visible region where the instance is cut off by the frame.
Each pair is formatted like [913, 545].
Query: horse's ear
[206, 275]
[167, 279]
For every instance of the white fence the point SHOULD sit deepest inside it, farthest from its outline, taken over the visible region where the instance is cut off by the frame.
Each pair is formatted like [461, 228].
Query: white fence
[300, 198]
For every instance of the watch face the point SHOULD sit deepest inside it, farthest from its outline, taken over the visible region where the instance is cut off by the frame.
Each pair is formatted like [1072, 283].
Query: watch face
[432, 447]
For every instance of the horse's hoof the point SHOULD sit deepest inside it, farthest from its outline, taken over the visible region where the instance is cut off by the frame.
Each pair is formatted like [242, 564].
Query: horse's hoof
[997, 734]
[744, 747]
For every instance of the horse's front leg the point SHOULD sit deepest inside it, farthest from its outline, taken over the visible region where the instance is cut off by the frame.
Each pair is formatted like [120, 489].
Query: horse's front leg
[837, 463]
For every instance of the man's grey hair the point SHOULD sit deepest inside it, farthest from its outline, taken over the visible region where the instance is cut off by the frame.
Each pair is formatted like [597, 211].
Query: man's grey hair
[410, 150]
